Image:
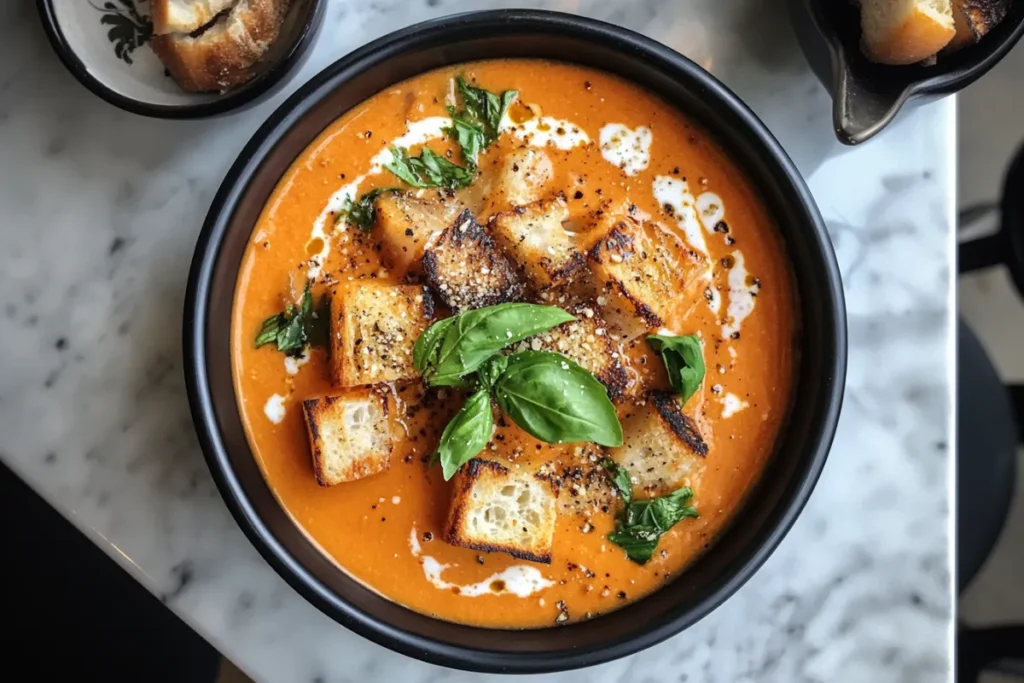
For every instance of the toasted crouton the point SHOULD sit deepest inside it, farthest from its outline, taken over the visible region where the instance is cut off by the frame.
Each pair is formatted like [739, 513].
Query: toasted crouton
[349, 435]
[586, 341]
[534, 239]
[523, 179]
[496, 509]
[374, 327]
[467, 269]
[405, 225]
[643, 271]
[662, 448]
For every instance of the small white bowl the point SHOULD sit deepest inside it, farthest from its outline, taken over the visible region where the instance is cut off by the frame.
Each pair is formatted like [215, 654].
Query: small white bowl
[104, 44]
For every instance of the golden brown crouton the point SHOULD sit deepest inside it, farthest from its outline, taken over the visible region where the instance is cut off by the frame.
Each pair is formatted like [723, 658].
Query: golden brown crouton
[348, 434]
[534, 239]
[467, 269]
[662, 448]
[523, 179]
[498, 509]
[374, 327]
[642, 272]
[586, 341]
[405, 225]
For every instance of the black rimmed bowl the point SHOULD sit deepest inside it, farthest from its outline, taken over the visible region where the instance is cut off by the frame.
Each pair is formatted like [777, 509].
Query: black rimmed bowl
[801, 450]
[866, 96]
[104, 44]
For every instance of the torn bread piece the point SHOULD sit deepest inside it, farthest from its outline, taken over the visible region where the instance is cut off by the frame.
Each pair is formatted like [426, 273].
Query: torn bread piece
[348, 435]
[662, 448]
[643, 272]
[532, 236]
[495, 508]
[406, 225]
[185, 16]
[905, 31]
[374, 327]
[586, 340]
[223, 55]
[467, 269]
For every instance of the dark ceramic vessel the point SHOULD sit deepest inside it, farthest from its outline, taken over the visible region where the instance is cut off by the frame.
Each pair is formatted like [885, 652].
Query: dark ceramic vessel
[867, 96]
[801, 450]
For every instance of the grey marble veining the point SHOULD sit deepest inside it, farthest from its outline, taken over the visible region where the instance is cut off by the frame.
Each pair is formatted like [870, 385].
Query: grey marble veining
[99, 211]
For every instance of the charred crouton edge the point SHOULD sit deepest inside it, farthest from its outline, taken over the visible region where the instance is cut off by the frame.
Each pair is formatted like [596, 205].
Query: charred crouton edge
[667, 405]
[467, 269]
[619, 245]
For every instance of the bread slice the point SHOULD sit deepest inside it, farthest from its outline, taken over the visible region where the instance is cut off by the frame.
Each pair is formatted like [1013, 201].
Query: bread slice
[348, 435]
[905, 31]
[223, 55]
[501, 509]
[643, 273]
[586, 340]
[185, 16]
[534, 239]
[662, 448]
[467, 269]
[374, 328]
[975, 18]
[405, 225]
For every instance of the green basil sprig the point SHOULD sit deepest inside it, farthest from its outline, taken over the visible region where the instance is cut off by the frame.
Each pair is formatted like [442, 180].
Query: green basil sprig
[363, 212]
[429, 169]
[297, 326]
[684, 360]
[642, 523]
[546, 394]
[477, 124]
[455, 347]
[557, 401]
[467, 434]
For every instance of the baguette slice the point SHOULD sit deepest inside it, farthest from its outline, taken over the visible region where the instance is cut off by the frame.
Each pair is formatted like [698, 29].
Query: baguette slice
[975, 18]
[222, 56]
[184, 16]
[905, 31]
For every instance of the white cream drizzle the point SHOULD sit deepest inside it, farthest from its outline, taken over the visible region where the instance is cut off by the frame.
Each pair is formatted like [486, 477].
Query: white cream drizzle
[675, 194]
[626, 148]
[742, 297]
[274, 408]
[417, 133]
[542, 131]
[732, 404]
[710, 209]
[292, 364]
[520, 580]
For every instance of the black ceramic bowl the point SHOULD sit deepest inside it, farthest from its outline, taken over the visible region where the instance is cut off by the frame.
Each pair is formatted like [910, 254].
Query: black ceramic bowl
[801, 449]
[104, 45]
[867, 96]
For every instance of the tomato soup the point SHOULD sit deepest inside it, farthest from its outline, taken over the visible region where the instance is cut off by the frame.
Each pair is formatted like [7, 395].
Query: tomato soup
[601, 150]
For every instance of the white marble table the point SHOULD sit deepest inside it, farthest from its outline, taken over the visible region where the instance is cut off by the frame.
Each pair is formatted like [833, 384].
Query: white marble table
[99, 211]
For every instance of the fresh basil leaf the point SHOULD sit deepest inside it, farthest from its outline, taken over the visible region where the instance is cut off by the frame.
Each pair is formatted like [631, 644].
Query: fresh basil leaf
[475, 336]
[491, 370]
[429, 169]
[484, 108]
[363, 212]
[467, 434]
[620, 477]
[684, 361]
[298, 326]
[556, 400]
[471, 137]
[642, 523]
[428, 345]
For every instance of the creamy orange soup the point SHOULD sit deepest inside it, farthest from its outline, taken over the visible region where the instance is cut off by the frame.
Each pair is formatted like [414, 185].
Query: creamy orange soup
[611, 145]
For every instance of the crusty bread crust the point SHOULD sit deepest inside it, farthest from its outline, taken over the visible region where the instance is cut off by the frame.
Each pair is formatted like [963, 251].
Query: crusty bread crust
[919, 36]
[185, 16]
[974, 19]
[223, 56]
